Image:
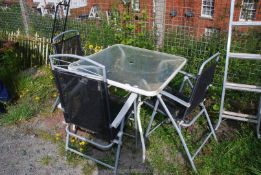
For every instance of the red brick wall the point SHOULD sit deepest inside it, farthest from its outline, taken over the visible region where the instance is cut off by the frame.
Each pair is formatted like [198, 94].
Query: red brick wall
[220, 18]
[197, 23]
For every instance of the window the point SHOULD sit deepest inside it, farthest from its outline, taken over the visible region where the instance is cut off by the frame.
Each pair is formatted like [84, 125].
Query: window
[207, 9]
[135, 5]
[211, 31]
[248, 10]
[78, 3]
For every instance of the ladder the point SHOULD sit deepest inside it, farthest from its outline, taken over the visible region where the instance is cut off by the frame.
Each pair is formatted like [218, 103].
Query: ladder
[237, 86]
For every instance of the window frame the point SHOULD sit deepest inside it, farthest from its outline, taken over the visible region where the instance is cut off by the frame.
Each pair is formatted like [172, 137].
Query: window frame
[135, 5]
[211, 32]
[207, 6]
[248, 10]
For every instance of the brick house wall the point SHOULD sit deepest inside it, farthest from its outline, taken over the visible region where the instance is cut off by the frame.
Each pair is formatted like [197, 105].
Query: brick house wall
[195, 24]
[198, 23]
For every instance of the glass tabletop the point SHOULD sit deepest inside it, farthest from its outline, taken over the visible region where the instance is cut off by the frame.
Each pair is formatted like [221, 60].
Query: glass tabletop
[139, 70]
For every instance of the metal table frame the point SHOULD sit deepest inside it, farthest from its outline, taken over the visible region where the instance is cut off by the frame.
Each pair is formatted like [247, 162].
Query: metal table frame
[138, 103]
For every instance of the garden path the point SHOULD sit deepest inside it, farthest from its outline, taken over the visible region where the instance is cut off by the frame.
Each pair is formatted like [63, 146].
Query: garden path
[31, 147]
[24, 152]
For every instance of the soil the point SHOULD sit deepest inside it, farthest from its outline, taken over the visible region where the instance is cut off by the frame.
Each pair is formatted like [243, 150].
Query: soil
[24, 151]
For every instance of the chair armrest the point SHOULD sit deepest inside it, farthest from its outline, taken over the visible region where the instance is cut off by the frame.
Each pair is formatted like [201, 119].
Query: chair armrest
[124, 110]
[182, 102]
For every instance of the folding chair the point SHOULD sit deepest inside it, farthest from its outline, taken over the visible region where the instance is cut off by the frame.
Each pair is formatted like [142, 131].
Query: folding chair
[177, 107]
[88, 105]
[67, 42]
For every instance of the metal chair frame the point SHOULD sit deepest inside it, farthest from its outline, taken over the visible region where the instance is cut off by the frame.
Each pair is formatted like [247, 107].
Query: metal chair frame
[60, 38]
[180, 123]
[61, 5]
[121, 115]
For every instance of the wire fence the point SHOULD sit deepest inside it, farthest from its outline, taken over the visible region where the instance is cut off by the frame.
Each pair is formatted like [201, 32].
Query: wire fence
[193, 29]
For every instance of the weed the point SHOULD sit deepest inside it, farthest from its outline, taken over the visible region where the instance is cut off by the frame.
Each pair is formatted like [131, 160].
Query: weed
[88, 168]
[46, 160]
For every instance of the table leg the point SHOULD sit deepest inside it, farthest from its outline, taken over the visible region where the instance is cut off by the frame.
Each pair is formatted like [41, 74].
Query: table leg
[140, 129]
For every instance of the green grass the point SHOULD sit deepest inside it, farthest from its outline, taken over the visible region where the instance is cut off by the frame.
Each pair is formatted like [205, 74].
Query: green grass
[239, 154]
[34, 94]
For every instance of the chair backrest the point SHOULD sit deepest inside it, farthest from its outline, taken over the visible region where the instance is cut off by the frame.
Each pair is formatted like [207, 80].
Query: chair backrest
[60, 17]
[84, 95]
[68, 42]
[203, 81]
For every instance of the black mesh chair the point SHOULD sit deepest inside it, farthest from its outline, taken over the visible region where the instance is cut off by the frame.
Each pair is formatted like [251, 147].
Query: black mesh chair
[179, 108]
[88, 105]
[67, 42]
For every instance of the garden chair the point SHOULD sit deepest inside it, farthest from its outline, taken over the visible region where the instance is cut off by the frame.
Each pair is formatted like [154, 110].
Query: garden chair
[88, 105]
[179, 108]
[67, 42]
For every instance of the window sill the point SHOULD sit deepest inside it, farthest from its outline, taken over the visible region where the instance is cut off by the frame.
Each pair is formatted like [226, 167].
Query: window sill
[207, 17]
[245, 20]
[136, 10]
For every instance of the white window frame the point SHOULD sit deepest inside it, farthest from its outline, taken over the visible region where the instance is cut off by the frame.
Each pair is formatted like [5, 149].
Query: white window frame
[209, 31]
[210, 8]
[250, 8]
[135, 4]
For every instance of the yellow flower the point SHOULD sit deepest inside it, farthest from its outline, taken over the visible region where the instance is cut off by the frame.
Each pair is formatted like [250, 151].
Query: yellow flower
[97, 49]
[90, 47]
[72, 140]
[54, 95]
[82, 143]
[37, 98]
[58, 135]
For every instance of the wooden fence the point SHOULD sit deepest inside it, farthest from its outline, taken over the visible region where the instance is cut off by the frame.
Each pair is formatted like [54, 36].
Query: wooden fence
[34, 50]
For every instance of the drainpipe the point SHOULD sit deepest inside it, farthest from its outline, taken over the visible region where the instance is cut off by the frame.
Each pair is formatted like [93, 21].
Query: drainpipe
[159, 9]
[24, 17]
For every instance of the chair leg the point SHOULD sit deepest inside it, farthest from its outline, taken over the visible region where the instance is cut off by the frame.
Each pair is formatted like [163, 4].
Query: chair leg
[179, 133]
[57, 101]
[209, 122]
[136, 123]
[184, 145]
[152, 119]
[67, 141]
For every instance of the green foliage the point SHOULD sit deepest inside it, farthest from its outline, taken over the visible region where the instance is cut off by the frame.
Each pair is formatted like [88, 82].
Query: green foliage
[12, 19]
[10, 65]
[19, 112]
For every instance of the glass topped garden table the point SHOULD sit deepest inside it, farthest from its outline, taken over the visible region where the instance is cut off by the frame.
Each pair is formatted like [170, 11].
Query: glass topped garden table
[137, 70]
